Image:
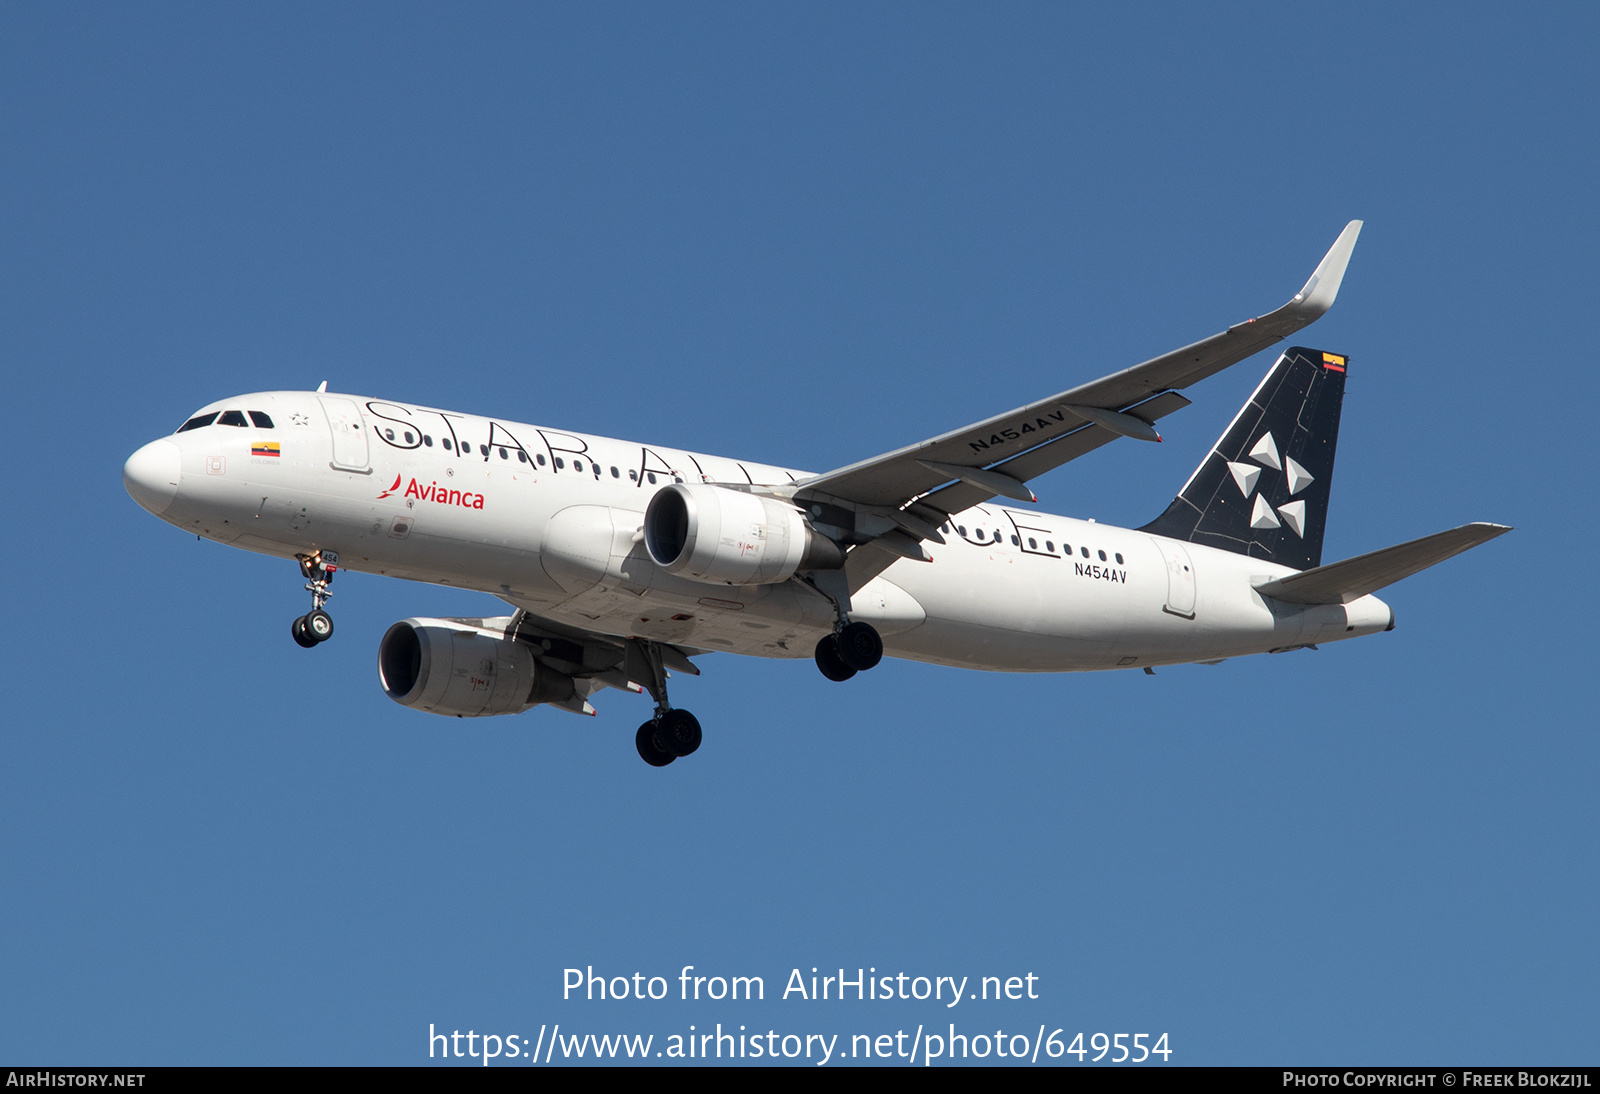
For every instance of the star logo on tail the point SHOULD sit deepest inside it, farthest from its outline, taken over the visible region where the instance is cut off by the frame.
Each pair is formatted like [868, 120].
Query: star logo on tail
[1246, 475]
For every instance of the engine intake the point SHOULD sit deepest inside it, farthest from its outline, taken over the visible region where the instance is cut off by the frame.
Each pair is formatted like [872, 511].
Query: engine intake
[728, 537]
[466, 668]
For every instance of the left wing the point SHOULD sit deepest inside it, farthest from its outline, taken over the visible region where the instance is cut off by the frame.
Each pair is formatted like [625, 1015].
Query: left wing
[596, 660]
[911, 491]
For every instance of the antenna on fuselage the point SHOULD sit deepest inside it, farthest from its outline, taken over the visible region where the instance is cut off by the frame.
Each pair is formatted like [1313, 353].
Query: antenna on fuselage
[322, 386]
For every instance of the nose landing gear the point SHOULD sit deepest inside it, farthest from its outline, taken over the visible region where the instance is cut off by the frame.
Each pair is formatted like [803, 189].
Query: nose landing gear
[316, 626]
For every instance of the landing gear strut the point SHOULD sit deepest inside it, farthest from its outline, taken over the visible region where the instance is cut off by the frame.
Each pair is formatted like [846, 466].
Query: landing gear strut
[672, 732]
[852, 647]
[316, 626]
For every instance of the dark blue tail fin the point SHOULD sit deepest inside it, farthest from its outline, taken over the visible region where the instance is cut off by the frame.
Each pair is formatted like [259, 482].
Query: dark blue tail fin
[1263, 490]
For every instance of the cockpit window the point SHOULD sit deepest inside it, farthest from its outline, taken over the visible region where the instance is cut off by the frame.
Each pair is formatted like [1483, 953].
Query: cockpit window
[233, 417]
[197, 421]
[261, 420]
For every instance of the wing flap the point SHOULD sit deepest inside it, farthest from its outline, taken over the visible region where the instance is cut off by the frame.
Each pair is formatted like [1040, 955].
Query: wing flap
[1353, 578]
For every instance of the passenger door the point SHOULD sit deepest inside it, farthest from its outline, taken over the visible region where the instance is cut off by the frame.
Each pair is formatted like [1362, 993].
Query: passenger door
[349, 434]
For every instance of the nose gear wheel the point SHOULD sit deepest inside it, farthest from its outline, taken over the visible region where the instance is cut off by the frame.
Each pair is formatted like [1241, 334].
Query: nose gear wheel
[316, 626]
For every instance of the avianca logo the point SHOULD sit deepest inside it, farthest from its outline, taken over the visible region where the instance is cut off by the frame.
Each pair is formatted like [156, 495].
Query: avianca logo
[435, 493]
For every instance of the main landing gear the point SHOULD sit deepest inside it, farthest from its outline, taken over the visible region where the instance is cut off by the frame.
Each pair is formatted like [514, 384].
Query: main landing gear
[672, 732]
[316, 626]
[852, 647]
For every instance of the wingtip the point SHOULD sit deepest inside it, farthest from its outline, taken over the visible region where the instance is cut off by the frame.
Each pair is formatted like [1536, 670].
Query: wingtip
[1319, 293]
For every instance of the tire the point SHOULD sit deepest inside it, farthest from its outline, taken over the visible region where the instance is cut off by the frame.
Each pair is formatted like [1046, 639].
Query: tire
[645, 742]
[301, 638]
[859, 646]
[319, 625]
[829, 662]
[678, 732]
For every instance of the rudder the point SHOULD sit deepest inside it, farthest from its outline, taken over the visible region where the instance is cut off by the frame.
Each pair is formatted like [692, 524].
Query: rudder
[1263, 489]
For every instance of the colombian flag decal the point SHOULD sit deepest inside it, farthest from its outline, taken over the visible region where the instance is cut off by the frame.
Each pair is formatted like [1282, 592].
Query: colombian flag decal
[264, 448]
[1333, 361]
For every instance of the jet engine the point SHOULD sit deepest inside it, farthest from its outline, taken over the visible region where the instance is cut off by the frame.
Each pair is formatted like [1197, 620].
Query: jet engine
[465, 667]
[728, 537]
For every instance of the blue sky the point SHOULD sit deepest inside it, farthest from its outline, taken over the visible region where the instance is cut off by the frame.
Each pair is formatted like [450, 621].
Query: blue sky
[801, 234]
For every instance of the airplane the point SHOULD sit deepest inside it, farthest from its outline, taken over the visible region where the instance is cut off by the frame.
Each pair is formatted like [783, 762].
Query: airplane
[625, 561]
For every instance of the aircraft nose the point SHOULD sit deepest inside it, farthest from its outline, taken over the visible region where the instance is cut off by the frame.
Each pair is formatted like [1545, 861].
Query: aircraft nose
[151, 475]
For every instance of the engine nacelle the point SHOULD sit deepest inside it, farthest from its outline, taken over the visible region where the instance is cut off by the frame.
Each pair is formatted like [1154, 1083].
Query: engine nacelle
[464, 667]
[728, 537]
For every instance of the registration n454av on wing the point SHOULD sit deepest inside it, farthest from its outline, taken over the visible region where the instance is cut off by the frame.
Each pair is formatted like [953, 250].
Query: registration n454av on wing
[623, 561]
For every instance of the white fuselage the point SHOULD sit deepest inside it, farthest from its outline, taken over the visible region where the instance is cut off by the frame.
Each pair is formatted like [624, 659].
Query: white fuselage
[548, 520]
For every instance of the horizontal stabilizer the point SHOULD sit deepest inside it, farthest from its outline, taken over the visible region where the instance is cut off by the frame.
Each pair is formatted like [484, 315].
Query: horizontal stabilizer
[1354, 578]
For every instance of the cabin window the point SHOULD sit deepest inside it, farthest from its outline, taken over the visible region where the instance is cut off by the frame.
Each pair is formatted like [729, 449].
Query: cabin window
[577, 465]
[1015, 542]
[522, 457]
[615, 473]
[261, 420]
[410, 437]
[1033, 544]
[389, 433]
[198, 421]
[233, 417]
[427, 440]
[560, 463]
[1050, 546]
[541, 459]
[444, 442]
[1119, 560]
[652, 478]
[1084, 551]
[483, 450]
[633, 476]
[1102, 556]
[504, 455]
[962, 529]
